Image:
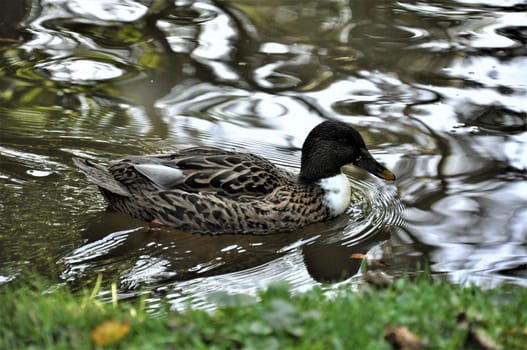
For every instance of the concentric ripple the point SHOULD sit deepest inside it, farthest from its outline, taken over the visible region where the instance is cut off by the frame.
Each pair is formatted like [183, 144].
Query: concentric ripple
[377, 207]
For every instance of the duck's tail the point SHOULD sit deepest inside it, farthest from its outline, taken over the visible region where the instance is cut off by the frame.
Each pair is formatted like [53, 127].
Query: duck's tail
[100, 175]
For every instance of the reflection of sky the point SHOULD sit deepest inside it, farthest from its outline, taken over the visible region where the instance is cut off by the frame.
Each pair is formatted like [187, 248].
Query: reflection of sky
[226, 109]
[491, 73]
[289, 268]
[106, 10]
[80, 71]
[516, 151]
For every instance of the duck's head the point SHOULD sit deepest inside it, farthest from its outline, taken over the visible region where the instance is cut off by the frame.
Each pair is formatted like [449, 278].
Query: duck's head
[333, 144]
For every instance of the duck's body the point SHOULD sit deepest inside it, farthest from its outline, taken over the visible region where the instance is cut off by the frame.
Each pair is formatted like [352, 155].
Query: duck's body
[209, 190]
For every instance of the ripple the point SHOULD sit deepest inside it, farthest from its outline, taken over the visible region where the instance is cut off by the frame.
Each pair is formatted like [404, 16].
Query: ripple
[28, 166]
[516, 33]
[385, 33]
[80, 70]
[205, 112]
[204, 31]
[194, 13]
[488, 32]
[499, 119]
[375, 95]
[375, 207]
[270, 77]
[184, 25]
[437, 9]
[199, 292]
[518, 5]
[39, 173]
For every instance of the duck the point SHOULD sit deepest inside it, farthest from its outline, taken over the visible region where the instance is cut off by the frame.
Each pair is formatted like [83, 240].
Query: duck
[209, 190]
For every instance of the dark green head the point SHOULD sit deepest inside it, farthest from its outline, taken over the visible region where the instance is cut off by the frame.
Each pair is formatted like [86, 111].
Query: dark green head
[333, 144]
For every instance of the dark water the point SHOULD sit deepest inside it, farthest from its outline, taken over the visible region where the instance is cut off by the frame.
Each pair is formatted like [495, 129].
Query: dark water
[437, 88]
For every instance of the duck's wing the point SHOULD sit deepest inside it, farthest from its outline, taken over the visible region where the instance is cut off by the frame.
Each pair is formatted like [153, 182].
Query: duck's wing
[202, 169]
[124, 178]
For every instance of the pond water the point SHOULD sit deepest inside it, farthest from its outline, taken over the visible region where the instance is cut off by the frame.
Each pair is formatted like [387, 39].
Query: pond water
[438, 89]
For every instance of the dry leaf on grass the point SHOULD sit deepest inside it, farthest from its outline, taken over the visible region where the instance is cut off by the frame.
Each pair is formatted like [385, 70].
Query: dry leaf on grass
[476, 336]
[485, 341]
[109, 332]
[400, 337]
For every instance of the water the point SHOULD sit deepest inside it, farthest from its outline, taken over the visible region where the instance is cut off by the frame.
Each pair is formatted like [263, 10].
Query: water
[438, 90]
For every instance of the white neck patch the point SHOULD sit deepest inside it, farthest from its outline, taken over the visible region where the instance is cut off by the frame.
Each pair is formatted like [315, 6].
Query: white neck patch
[337, 193]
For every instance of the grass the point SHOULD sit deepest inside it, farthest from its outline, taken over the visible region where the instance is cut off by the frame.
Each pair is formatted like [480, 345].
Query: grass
[439, 315]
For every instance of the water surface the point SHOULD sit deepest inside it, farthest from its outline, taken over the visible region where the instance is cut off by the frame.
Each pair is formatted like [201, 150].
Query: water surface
[437, 88]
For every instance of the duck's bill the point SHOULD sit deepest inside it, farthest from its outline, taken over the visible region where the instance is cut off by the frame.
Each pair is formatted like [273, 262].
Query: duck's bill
[367, 162]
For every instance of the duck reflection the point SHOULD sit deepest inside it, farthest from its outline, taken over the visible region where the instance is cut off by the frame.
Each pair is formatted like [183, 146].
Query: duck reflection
[126, 250]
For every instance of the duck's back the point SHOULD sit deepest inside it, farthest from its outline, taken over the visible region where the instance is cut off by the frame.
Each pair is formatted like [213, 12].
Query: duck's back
[202, 170]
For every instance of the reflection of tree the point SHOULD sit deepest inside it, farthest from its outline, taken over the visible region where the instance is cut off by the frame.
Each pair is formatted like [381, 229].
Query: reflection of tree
[289, 46]
[273, 47]
[11, 14]
[138, 49]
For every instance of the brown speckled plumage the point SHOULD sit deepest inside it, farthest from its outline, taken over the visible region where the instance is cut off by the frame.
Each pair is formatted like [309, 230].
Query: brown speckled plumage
[209, 190]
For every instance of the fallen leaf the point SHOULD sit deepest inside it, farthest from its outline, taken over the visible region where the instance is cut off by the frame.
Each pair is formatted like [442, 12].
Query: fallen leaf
[484, 341]
[401, 337]
[109, 332]
[476, 336]
[519, 331]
